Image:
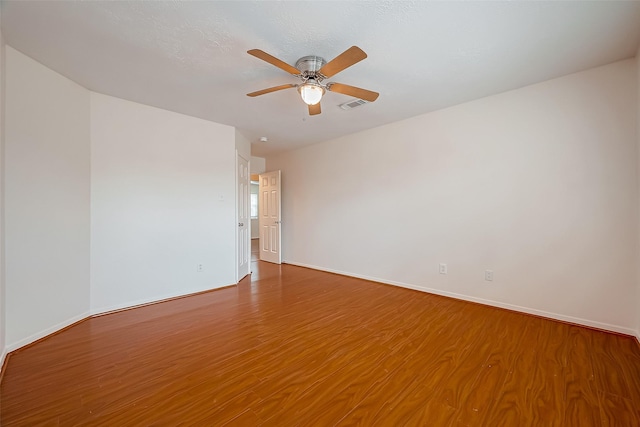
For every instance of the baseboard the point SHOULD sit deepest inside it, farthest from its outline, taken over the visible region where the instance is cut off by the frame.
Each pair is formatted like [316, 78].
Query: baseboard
[45, 333]
[10, 348]
[142, 303]
[513, 307]
[94, 312]
[4, 359]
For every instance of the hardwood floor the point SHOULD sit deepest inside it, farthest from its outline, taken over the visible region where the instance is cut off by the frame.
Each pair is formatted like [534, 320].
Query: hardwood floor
[293, 346]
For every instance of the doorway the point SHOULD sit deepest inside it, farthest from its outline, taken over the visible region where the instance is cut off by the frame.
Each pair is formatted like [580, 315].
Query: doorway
[266, 224]
[255, 228]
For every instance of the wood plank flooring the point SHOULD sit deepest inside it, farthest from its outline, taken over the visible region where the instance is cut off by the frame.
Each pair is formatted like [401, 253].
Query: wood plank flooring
[292, 346]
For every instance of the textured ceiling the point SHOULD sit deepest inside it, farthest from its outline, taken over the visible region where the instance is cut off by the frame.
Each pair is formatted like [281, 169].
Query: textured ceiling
[190, 57]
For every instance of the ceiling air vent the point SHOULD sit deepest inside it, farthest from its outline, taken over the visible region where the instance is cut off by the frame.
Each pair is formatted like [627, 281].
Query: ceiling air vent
[353, 104]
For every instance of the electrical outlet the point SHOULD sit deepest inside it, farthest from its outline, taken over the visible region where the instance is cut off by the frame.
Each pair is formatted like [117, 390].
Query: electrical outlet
[442, 268]
[488, 275]
[199, 268]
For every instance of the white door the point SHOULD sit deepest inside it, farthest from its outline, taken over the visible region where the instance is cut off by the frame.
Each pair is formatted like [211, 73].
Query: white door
[244, 221]
[269, 212]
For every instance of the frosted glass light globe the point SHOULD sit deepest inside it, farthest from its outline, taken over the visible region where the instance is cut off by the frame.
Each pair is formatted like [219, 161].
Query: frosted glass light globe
[311, 93]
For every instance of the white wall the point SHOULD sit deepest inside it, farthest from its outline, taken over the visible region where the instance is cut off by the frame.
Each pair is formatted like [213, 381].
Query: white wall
[537, 184]
[47, 214]
[638, 175]
[139, 195]
[2, 278]
[243, 145]
[258, 165]
[162, 200]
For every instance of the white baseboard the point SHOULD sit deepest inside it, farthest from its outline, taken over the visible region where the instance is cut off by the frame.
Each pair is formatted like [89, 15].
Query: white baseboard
[35, 337]
[146, 301]
[528, 310]
[26, 341]
[3, 356]
[133, 304]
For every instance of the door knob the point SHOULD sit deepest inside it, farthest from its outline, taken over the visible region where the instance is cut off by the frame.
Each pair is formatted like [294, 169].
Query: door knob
[240, 224]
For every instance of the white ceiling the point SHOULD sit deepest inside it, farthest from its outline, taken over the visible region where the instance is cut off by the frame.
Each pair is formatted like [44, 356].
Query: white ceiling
[190, 57]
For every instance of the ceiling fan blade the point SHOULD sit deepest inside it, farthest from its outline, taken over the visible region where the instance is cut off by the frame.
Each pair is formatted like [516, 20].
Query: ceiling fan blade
[367, 95]
[269, 90]
[314, 109]
[346, 59]
[274, 61]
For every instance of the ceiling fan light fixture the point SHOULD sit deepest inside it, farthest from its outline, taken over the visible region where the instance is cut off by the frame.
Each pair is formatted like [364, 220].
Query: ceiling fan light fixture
[312, 70]
[311, 93]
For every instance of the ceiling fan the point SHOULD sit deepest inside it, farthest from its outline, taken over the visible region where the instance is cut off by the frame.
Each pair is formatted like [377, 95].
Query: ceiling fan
[312, 70]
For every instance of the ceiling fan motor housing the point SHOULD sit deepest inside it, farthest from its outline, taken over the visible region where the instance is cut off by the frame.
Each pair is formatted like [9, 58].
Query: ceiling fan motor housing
[309, 65]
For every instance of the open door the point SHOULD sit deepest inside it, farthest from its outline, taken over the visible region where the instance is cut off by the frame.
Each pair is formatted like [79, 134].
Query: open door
[270, 220]
[244, 229]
